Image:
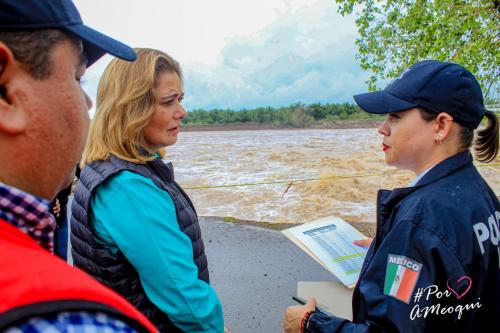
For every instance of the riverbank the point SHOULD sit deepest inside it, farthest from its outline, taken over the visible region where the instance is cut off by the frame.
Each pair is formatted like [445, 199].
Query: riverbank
[366, 228]
[341, 124]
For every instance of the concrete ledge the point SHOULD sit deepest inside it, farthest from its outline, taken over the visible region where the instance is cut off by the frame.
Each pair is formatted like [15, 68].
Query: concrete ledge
[255, 273]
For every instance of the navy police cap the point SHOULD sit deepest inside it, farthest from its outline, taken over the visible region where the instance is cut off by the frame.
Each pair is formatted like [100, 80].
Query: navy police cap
[18, 15]
[433, 85]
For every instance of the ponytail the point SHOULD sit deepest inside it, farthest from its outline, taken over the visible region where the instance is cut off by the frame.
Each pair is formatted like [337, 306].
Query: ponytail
[486, 140]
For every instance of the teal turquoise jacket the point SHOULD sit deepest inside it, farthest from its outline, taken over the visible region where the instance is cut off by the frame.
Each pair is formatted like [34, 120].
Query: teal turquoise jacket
[145, 229]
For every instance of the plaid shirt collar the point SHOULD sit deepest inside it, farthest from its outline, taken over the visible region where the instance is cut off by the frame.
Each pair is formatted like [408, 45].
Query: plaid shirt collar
[29, 214]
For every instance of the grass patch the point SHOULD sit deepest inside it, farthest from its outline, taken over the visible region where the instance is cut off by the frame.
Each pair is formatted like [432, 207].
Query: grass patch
[366, 228]
[259, 224]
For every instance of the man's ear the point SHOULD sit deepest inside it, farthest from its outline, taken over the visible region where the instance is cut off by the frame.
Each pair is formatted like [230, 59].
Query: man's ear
[13, 117]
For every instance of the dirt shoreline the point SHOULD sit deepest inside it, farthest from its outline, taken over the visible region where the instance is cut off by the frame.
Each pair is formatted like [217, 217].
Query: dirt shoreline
[366, 228]
[366, 123]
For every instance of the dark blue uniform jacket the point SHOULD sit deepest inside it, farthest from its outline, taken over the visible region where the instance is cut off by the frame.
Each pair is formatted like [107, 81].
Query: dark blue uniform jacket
[434, 265]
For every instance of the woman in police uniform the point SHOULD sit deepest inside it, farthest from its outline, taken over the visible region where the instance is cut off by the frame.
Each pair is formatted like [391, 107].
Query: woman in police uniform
[434, 264]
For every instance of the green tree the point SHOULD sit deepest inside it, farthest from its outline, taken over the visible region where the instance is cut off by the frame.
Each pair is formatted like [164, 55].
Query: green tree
[397, 33]
[301, 116]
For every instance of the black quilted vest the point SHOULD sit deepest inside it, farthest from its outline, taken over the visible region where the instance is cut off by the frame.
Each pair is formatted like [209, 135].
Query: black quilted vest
[114, 270]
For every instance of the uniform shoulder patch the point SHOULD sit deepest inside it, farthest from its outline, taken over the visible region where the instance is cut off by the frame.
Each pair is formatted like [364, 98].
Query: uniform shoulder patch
[401, 277]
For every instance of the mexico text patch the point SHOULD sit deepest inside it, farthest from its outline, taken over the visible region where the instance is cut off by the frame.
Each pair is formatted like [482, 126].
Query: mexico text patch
[401, 277]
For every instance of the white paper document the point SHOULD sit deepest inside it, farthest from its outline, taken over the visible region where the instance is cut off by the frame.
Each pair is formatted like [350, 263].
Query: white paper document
[329, 241]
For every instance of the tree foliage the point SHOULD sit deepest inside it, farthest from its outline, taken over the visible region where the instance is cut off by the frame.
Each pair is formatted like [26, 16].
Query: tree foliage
[296, 115]
[397, 33]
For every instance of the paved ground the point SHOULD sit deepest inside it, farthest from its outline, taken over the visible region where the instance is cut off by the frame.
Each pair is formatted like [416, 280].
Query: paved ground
[255, 272]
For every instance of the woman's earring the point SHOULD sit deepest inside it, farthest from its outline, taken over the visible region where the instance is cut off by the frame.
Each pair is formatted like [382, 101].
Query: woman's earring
[438, 139]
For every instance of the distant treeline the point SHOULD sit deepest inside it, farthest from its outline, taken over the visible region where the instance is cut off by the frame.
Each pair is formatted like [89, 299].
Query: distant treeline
[296, 115]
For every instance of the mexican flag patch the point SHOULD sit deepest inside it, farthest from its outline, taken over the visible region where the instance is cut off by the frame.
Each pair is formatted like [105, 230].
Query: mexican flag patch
[401, 277]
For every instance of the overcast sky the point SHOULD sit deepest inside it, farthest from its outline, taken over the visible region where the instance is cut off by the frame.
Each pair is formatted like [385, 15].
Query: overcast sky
[238, 53]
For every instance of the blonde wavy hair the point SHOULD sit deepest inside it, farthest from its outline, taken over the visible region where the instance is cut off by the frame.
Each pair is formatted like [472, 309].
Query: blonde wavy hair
[125, 104]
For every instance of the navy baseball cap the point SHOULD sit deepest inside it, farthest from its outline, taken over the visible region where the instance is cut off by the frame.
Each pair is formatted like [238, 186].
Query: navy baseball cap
[433, 85]
[18, 15]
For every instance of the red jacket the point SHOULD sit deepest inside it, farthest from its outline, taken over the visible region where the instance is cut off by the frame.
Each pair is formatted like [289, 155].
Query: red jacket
[33, 282]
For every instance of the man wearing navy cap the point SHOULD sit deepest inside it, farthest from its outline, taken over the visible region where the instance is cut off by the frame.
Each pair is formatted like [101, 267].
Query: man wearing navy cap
[44, 51]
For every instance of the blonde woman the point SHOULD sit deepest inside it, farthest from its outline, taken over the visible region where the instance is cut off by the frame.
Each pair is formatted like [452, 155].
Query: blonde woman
[133, 227]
